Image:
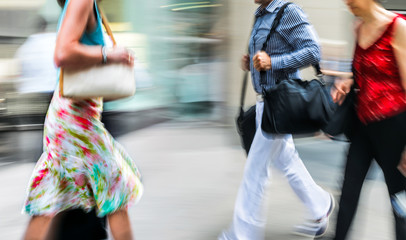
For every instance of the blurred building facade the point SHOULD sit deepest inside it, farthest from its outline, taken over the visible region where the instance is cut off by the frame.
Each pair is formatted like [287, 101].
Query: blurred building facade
[175, 51]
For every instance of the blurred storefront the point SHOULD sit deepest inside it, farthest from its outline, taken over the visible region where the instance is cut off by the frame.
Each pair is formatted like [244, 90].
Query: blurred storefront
[176, 52]
[177, 45]
[181, 52]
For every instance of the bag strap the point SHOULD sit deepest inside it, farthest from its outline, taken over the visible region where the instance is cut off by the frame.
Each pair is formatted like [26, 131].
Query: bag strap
[105, 22]
[275, 24]
[243, 91]
[106, 25]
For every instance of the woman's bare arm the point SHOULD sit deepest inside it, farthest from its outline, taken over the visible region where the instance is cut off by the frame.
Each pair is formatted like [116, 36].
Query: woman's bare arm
[336, 73]
[342, 84]
[399, 46]
[69, 52]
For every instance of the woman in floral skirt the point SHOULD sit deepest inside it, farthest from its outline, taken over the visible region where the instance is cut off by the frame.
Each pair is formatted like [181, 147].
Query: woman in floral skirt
[82, 166]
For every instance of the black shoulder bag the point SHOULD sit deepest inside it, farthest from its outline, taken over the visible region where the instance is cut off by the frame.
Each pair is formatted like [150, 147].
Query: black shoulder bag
[246, 125]
[294, 106]
[345, 120]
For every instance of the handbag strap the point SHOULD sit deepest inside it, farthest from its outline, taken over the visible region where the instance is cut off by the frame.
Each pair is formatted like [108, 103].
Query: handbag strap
[106, 25]
[275, 24]
[263, 73]
[243, 91]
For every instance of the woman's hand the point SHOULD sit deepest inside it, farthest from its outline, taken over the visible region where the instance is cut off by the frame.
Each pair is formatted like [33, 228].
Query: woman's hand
[120, 55]
[402, 163]
[245, 62]
[262, 61]
[341, 88]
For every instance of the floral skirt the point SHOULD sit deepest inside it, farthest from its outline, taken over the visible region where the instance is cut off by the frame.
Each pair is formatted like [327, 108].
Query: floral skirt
[82, 166]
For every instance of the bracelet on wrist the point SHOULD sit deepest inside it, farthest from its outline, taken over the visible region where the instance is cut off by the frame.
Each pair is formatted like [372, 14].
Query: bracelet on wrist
[104, 54]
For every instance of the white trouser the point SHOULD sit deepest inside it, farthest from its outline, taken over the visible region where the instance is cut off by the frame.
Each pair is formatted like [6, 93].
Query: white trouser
[250, 208]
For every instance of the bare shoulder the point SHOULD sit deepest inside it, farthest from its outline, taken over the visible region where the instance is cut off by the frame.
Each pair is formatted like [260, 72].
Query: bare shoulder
[400, 24]
[75, 20]
[400, 32]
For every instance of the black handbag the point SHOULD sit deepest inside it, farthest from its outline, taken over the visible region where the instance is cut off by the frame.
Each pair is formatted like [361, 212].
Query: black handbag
[345, 120]
[246, 125]
[294, 106]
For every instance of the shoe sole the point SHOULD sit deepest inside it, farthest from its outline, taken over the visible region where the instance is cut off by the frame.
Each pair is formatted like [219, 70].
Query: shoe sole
[312, 236]
[330, 211]
[333, 205]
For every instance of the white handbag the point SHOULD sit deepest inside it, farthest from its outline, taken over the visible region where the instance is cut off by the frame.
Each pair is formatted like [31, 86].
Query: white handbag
[110, 81]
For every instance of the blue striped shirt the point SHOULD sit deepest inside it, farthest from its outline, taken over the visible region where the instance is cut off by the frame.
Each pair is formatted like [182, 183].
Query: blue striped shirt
[294, 45]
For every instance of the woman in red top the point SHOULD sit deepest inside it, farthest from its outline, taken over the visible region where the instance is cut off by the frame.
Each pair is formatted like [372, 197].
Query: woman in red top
[380, 72]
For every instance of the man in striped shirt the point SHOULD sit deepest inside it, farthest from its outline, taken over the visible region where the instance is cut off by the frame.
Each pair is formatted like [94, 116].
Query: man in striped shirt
[294, 45]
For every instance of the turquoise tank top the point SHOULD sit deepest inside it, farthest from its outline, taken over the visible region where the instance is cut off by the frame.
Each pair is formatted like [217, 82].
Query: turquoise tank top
[89, 38]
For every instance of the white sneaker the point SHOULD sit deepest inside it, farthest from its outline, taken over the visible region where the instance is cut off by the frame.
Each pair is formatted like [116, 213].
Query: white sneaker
[316, 228]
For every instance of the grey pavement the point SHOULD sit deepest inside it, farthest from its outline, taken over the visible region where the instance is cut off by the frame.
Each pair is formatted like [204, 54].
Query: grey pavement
[191, 173]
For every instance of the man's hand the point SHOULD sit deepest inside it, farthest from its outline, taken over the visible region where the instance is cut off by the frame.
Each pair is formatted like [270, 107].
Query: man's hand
[402, 163]
[341, 88]
[245, 62]
[262, 61]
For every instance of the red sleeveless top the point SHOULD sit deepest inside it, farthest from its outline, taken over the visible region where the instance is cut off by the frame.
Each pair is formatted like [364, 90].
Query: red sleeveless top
[376, 72]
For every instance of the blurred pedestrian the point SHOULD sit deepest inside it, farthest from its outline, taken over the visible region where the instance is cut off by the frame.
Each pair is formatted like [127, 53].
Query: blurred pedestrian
[292, 47]
[36, 60]
[380, 74]
[82, 165]
[38, 72]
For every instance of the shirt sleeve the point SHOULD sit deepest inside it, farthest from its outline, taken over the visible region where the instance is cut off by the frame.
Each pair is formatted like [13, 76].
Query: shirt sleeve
[300, 35]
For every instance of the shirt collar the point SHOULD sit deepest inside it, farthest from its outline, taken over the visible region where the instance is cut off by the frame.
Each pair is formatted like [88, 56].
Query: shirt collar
[274, 5]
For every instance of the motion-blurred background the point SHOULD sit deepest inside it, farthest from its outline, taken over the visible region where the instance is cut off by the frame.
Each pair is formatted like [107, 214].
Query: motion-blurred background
[188, 52]
[182, 116]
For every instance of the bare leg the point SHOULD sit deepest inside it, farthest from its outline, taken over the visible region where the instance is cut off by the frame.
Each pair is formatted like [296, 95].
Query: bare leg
[37, 228]
[120, 225]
